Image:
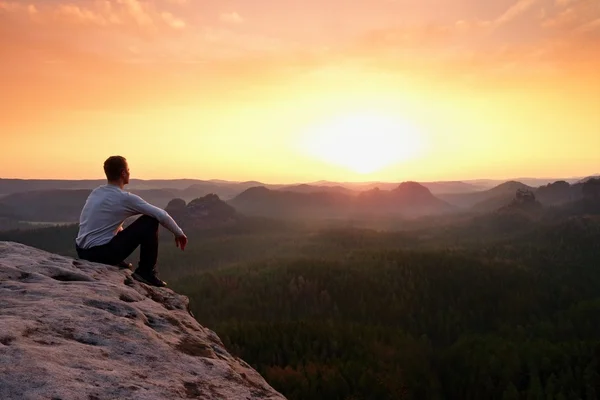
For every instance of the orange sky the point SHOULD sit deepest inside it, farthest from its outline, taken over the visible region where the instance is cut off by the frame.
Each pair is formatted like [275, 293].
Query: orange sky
[242, 90]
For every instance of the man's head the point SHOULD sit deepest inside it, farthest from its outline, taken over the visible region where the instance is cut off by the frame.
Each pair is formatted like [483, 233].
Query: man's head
[116, 170]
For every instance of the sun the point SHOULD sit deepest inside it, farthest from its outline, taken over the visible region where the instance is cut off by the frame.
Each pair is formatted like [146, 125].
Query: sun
[363, 143]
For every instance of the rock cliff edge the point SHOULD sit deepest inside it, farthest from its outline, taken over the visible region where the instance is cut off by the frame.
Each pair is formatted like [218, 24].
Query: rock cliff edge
[72, 329]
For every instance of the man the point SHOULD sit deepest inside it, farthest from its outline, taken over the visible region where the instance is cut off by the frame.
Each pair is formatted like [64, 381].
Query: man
[101, 236]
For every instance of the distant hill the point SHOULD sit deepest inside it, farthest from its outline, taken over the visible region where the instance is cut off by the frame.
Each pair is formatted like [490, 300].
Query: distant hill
[193, 188]
[19, 199]
[581, 207]
[225, 190]
[46, 205]
[447, 187]
[484, 184]
[524, 202]
[435, 187]
[494, 203]
[157, 197]
[485, 200]
[10, 186]
[202, 213]
[63, 205]
[261, 201]
[407, 199]
[595, 176]
[187, 189]
[558, 193]
[306, 188]
[588, 202]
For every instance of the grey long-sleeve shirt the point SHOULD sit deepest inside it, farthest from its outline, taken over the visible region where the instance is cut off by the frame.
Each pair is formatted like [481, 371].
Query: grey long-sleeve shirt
[105, 210]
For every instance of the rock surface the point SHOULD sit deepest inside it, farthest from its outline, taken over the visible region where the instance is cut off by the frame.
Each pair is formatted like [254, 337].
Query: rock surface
[72, 329]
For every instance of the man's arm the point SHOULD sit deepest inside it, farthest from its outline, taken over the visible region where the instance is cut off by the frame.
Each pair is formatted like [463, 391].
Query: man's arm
[139, 206]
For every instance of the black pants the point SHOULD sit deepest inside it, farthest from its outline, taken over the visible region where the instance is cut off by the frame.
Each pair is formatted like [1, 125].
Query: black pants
[142, 232]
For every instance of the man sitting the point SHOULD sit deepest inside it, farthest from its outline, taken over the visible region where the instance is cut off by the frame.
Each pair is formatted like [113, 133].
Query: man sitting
[101, 236]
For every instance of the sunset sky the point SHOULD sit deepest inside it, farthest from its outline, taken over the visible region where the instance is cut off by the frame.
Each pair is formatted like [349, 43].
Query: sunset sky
[292, 90]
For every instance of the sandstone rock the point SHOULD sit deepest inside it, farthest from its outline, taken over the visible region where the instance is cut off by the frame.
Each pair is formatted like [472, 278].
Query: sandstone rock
[72, 329]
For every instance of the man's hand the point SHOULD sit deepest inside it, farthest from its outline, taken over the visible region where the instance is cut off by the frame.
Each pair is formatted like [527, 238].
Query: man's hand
[181, 241]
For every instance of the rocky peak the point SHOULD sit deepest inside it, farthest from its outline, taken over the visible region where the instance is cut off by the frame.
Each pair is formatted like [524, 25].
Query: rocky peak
[72, 329]
[207, 211]
[524, 200]
[413, 190]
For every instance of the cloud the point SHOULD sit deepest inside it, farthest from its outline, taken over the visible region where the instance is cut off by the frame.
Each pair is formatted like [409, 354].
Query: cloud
[10, 6]
[138, 14]
[573, 17]
[173, 21]
[516, 10]
[231, 18]
[564, 3]
[589, 26]
[515, 37]
[565, 18]
[81, 15]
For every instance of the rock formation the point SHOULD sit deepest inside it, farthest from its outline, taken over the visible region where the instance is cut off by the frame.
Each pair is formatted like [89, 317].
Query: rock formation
[204, 212]
[524, 201]
[72, 329]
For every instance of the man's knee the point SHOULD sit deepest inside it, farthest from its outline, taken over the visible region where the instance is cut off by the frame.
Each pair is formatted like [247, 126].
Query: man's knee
[150, 222]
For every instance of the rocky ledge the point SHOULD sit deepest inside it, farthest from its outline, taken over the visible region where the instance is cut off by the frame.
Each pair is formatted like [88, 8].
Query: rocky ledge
[72, 329]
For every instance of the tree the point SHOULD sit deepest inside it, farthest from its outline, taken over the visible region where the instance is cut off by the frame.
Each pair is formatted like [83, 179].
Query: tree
[510, 393]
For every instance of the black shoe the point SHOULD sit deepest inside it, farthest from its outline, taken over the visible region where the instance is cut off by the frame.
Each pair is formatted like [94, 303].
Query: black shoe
[125, 265]
[149, 279]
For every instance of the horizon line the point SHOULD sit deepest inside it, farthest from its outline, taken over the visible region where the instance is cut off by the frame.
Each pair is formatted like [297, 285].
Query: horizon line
[317, 181]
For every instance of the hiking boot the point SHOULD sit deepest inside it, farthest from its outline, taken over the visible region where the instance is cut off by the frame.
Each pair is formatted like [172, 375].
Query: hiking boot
[148, 278]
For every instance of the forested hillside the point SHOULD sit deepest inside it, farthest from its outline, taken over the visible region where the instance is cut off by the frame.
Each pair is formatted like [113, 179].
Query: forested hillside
[347, 313]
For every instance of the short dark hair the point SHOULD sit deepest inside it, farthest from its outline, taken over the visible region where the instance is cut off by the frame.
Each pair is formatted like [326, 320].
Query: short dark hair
[113, 166]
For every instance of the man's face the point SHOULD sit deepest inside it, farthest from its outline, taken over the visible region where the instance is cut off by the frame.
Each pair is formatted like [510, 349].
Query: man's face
[125, 175]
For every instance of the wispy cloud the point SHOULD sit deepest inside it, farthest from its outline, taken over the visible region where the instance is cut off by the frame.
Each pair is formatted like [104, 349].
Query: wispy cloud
[82, 15]
[231, 17]
[104, 13]
[564, 19]
[516, 10]
[523, 35]
[589, 26]
[173, 21]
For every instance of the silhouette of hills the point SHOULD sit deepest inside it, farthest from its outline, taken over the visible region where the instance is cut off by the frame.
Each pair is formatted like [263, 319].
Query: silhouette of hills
[594, 176]
[185, 188]
[407, 199]
[485, 200]
[193, 188]
[317, 200]
[435, 187]
[558, 193]
[261, 201]
[46, 205]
